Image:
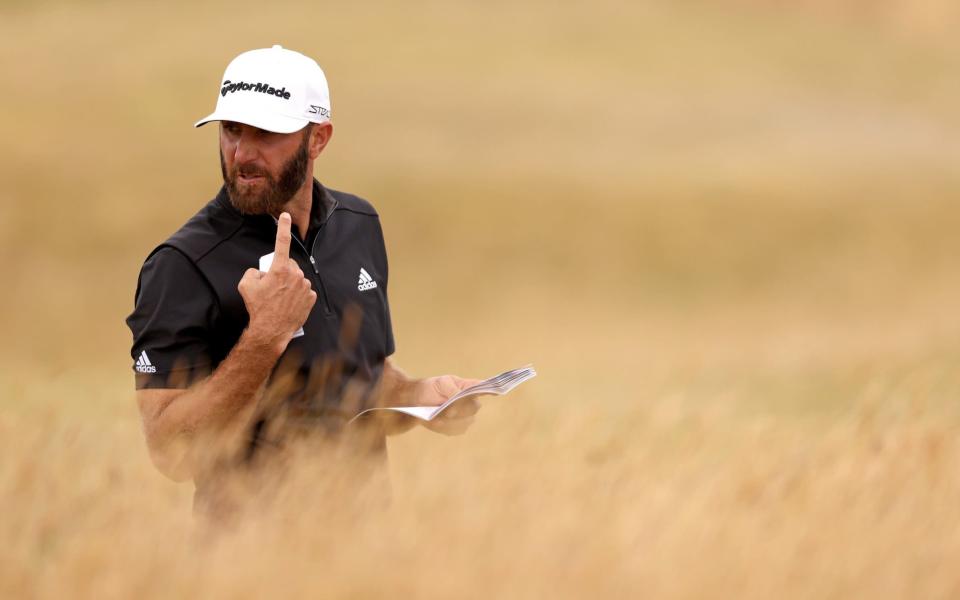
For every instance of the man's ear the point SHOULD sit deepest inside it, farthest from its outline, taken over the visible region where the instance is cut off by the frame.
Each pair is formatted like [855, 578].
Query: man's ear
[320, 134]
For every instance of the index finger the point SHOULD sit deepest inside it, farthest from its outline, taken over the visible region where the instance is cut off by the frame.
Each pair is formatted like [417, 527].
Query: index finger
[282, 248]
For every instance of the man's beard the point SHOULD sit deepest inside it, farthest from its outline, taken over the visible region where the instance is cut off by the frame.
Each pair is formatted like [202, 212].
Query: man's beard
[275, 193]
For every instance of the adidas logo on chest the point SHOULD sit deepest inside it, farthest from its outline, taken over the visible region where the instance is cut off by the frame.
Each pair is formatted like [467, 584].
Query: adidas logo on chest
[366, 282]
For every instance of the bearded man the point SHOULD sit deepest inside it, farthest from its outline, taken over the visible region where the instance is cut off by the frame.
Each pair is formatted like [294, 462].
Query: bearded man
[277, 277]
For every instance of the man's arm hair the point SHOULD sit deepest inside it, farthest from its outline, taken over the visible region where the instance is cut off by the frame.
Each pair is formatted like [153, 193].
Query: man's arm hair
[184, 427]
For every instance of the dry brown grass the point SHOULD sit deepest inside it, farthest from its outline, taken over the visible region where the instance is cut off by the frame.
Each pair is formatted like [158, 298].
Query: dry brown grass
[743, 214]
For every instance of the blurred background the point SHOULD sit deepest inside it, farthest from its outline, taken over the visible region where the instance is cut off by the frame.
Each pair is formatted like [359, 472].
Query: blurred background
[724, 232]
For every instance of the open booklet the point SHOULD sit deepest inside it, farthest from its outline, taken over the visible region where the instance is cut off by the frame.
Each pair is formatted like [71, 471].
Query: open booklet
[499, 385]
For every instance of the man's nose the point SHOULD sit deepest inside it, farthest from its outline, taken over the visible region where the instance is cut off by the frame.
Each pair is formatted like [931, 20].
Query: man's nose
[246, 150]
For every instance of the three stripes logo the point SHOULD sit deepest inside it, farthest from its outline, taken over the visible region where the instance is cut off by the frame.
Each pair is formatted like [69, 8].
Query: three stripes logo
[144, 365]
[366, 282]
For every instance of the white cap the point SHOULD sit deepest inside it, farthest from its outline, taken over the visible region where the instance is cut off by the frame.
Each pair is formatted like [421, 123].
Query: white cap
[274, 89]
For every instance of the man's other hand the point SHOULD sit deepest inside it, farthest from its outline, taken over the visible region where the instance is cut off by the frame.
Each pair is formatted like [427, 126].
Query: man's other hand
[278, 301]
[434, 391]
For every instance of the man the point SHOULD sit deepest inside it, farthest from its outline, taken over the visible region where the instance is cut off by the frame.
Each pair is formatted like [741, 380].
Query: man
[214, 336]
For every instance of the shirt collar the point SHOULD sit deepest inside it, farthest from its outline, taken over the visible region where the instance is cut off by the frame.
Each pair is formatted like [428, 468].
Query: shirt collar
[323, 205]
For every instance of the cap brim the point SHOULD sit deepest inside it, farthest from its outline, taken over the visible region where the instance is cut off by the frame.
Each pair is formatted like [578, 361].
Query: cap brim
[268, 122]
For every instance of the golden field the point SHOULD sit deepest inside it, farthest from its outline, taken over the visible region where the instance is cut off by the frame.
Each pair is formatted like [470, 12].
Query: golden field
[725, 234]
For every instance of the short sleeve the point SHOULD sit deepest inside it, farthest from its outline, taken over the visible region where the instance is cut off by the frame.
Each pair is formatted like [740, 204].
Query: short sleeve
[172, 320]
[389, 343]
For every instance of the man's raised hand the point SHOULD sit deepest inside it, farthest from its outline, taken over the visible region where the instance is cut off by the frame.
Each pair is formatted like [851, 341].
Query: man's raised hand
[278, 301]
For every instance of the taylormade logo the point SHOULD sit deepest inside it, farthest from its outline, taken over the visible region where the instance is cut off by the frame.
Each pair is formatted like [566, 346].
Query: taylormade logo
[264, 88]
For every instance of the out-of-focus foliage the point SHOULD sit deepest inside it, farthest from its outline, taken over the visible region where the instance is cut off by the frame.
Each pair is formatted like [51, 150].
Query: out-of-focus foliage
[724, 233]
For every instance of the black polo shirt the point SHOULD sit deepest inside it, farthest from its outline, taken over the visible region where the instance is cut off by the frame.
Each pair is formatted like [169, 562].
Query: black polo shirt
[188, 312]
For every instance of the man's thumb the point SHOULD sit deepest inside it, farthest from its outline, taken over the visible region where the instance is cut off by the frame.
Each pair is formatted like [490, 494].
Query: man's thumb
[250, 277]
[468, 383]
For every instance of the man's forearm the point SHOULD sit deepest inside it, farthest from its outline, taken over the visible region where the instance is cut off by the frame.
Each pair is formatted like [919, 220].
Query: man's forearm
[396, 387]
[225, 399]
[232, 387]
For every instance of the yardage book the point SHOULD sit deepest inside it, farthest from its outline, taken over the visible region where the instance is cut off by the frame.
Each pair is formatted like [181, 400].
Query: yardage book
[499, 384]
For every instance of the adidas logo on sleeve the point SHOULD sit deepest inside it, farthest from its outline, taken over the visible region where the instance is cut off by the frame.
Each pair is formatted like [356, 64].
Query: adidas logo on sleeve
[366, 282]
[144, 365]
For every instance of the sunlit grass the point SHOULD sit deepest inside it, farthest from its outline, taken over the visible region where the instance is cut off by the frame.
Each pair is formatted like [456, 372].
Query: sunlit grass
[723, 233]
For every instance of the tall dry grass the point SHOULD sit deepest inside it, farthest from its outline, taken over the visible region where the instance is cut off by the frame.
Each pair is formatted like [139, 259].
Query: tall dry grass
[723, 232]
